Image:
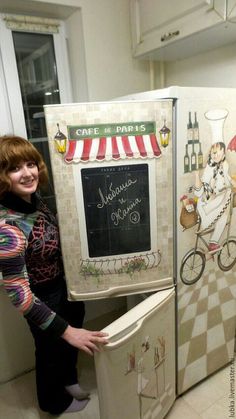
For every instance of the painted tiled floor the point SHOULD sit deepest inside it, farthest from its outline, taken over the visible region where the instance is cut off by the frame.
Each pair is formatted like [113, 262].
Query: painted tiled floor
[208, 400]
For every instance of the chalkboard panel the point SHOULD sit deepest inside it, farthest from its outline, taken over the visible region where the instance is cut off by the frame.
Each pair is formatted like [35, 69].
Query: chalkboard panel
[117, 209]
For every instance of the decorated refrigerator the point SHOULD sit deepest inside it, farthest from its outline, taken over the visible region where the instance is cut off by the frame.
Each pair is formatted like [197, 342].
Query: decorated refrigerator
[145, 198]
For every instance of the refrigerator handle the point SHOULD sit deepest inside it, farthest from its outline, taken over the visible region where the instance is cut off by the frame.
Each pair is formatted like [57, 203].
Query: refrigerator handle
[124, 336]
[127, 333]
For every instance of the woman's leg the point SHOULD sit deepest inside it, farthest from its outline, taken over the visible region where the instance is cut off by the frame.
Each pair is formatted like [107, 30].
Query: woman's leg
[73, 312]
[56, 360]
[52, 396]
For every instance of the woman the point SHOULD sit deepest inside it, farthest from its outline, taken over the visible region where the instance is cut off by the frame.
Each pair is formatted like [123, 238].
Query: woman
[32, 270]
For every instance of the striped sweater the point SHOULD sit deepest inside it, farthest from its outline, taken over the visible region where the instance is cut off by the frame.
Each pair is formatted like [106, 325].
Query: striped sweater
[30, 259]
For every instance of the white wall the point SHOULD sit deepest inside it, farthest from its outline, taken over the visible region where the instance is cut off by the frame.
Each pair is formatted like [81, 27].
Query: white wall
[111, 69]
[216, 68]
[16, 342]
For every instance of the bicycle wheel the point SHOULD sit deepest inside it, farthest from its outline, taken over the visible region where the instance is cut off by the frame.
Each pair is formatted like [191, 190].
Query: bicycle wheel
[227, 256]
[192, 267]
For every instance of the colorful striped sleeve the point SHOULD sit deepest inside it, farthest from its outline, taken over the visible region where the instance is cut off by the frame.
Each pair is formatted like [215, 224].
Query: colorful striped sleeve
[15, 278]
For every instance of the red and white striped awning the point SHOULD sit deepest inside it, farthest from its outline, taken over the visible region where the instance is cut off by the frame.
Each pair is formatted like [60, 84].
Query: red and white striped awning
[112, 148]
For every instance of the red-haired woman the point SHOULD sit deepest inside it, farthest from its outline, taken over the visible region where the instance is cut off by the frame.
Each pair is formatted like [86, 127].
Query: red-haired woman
[33, 276]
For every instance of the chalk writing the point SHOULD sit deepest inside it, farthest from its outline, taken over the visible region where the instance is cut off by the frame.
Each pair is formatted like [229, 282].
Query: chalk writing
[114, 192]
[122, 213]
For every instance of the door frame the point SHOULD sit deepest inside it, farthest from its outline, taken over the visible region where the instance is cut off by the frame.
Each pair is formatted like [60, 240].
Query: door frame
[5, 114]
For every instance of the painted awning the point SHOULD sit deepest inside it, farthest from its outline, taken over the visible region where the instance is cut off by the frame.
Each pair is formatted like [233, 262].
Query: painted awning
[232, 144]
[112, 148]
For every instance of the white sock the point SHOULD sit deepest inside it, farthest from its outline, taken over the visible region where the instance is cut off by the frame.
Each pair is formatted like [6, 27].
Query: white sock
[76, 405]
[77, 392]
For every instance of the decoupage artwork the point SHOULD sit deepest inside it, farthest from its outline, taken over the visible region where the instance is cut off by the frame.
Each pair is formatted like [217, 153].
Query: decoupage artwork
[147, 362]
[114, 172]
[103, 142]
[116, 198]
[207, 256]
[137, 367]
[209, 202]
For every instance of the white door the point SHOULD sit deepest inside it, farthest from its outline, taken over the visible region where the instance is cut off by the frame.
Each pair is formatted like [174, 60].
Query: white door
[33, 72]
[136, 370]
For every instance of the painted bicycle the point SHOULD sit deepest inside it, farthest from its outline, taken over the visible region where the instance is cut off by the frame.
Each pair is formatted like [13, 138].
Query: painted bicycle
[194, 262]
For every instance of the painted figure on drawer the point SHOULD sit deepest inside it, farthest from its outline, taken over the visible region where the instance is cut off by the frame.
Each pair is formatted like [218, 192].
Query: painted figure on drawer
[148, 363]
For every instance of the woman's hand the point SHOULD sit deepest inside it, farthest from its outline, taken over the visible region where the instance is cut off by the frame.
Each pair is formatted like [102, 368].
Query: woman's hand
[86, 340]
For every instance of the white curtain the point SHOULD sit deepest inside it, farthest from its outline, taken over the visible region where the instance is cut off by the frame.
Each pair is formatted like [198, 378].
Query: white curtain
[31, 23]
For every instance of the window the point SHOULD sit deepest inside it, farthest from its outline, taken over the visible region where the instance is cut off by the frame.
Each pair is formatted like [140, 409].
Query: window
[36, 72]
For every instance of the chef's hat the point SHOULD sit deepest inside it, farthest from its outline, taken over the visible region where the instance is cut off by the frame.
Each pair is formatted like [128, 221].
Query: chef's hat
[216, 118]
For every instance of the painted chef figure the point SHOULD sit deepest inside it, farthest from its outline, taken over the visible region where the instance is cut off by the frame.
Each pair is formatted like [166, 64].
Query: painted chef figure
[213, 188]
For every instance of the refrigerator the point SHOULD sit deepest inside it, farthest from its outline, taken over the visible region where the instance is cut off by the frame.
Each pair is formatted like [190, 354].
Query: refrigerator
[145, 190]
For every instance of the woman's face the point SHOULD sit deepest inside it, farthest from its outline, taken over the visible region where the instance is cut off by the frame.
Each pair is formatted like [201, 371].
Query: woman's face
[24, 179]
[217, 153]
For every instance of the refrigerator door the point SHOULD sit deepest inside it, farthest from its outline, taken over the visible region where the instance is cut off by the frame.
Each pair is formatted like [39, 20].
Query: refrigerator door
[206, 239]
[112, 170]
[136, 370]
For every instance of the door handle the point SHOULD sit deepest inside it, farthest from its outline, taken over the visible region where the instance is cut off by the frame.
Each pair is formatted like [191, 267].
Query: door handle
[169, 35]
[120, 338]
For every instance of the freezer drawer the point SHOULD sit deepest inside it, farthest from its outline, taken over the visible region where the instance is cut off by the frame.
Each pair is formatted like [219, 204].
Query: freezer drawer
[136, 370]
